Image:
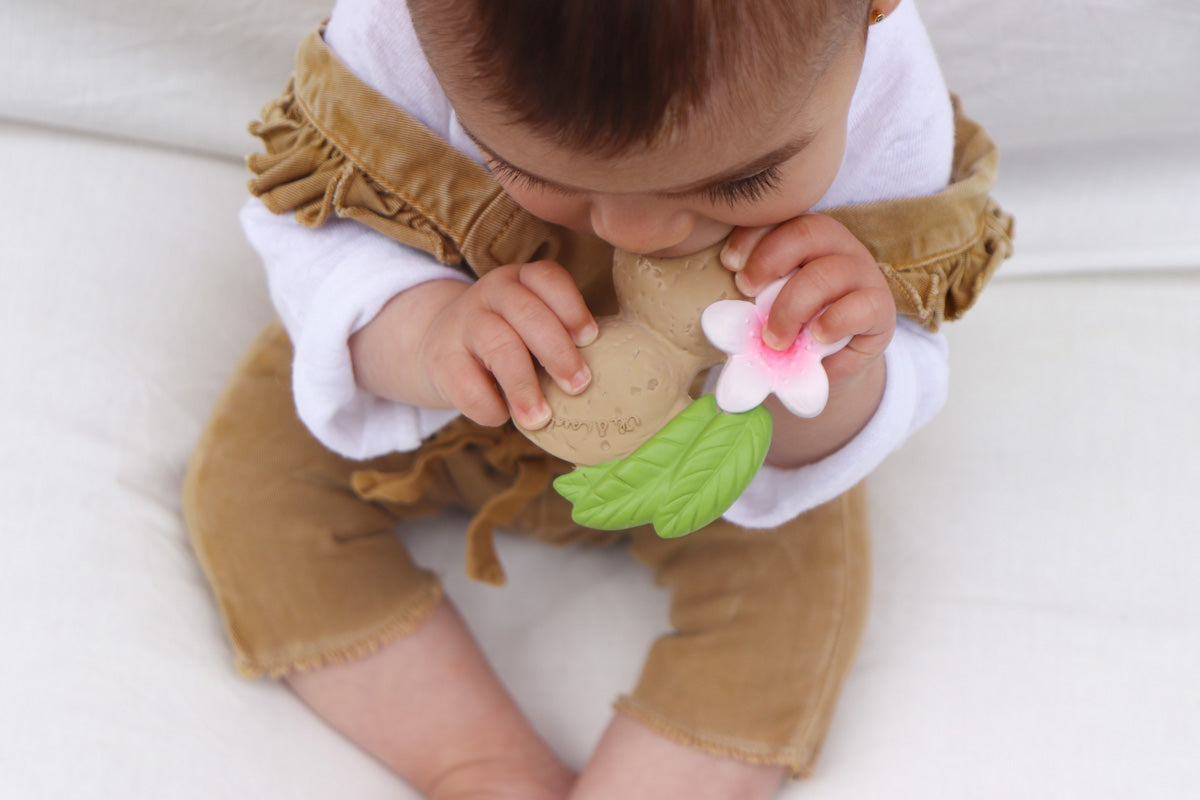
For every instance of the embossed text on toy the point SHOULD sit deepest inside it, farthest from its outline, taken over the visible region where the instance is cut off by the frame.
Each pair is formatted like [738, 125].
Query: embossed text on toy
[599, 428]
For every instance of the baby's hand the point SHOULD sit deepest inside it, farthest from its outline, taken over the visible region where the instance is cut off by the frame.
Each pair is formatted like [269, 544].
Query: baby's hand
[836, 273]
[478, 353]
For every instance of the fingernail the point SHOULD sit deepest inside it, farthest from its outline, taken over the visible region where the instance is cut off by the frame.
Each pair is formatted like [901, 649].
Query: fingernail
[538, 417]
[581, 379]
[772, 341]
[732, 259]
[587, 335]
[743, 285]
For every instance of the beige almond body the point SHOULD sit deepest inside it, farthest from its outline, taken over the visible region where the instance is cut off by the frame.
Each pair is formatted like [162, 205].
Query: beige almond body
[644, 361]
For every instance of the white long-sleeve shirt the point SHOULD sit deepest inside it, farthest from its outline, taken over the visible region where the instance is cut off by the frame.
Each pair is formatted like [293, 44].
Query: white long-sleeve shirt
[329, 282]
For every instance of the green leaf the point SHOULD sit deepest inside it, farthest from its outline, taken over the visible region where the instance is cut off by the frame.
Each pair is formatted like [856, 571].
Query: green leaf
[681, 479]
[714, 472]
[625, 493]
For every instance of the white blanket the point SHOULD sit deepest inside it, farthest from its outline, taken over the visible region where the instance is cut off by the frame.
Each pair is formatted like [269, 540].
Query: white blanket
[1036, 620]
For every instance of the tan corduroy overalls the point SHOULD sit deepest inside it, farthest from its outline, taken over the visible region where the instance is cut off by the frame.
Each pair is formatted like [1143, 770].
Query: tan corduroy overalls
[299, 543]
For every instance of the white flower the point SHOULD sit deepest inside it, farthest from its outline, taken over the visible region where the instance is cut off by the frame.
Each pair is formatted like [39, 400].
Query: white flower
[755, 370]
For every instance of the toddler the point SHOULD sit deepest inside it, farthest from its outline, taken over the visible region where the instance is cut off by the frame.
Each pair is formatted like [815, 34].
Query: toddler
[454, 176]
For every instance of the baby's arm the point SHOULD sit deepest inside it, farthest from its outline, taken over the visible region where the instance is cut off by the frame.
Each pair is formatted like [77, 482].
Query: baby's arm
[358, 308]
[915, 367]
[326, 283]
[472, 347]
[837, 282]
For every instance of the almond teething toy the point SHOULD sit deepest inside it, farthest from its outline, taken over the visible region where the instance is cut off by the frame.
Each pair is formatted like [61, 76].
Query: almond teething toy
[648, 451]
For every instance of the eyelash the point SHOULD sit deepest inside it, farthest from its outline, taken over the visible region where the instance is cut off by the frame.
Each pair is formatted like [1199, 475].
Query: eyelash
[744, 190]
[507, 172]
[750, 189]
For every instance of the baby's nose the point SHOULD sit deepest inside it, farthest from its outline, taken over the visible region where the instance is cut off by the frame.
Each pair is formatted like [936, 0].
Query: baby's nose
[639, 226]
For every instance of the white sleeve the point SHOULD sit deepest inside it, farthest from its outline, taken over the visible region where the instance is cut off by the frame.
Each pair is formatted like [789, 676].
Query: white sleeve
[917, 376]
[900, 143]
[327, 283]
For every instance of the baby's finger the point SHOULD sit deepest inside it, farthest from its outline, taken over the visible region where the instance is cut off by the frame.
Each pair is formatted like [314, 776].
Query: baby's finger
[741, 244]
[503, 353]
[819, 284]
[557, 289]
[470, 388]
[793, 244]
[543, 334]
[869, 315]
[847, 363]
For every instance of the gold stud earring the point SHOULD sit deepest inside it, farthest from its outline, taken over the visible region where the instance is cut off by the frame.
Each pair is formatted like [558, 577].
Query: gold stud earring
[878, 17]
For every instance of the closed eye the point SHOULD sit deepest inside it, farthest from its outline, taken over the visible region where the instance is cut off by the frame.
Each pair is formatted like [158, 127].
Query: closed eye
[507, 172]
[745, 190]
[750, 189]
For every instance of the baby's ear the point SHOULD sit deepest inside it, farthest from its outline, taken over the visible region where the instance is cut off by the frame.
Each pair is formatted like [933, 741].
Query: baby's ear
[881, 9]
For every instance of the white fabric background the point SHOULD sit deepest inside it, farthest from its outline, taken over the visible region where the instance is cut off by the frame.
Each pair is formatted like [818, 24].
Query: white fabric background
[1103, 93]
[1036, 621]
[1035, 73]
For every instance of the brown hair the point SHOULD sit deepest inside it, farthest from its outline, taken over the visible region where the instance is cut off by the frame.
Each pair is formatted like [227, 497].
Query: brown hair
[605, 75]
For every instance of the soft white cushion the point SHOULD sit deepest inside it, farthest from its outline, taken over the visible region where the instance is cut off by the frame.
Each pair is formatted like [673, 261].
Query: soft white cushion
[1036, 626]
[1103, 206]
[1037, 603]
[1095, 102]
[190, 74]
[1072, 71]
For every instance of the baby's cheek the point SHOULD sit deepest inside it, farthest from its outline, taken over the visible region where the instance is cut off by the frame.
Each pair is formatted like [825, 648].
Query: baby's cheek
[560, 209]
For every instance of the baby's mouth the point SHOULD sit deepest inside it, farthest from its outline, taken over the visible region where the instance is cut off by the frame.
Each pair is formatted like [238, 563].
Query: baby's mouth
[685, 249]
[693, 244]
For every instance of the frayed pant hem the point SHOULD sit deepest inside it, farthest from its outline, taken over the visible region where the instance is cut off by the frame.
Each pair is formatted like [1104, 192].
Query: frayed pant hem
[313, 656]
[799, 762]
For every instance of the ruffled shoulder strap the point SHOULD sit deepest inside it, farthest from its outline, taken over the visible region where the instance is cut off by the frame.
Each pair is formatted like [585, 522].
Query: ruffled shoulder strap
[336, 146]
[332, 148]
[938, 251]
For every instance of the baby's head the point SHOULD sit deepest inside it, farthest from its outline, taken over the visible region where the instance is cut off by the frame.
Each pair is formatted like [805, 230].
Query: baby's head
[656, 124]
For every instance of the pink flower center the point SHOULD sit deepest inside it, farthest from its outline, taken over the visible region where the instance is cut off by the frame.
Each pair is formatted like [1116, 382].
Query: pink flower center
[796, 358]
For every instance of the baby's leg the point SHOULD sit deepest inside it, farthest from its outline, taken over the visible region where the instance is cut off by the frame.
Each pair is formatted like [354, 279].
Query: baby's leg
[633, 762]
[315, 586]
[766, 626]
[430, 707]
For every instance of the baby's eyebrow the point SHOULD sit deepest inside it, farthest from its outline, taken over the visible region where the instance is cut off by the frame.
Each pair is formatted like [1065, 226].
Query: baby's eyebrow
[760, 164]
